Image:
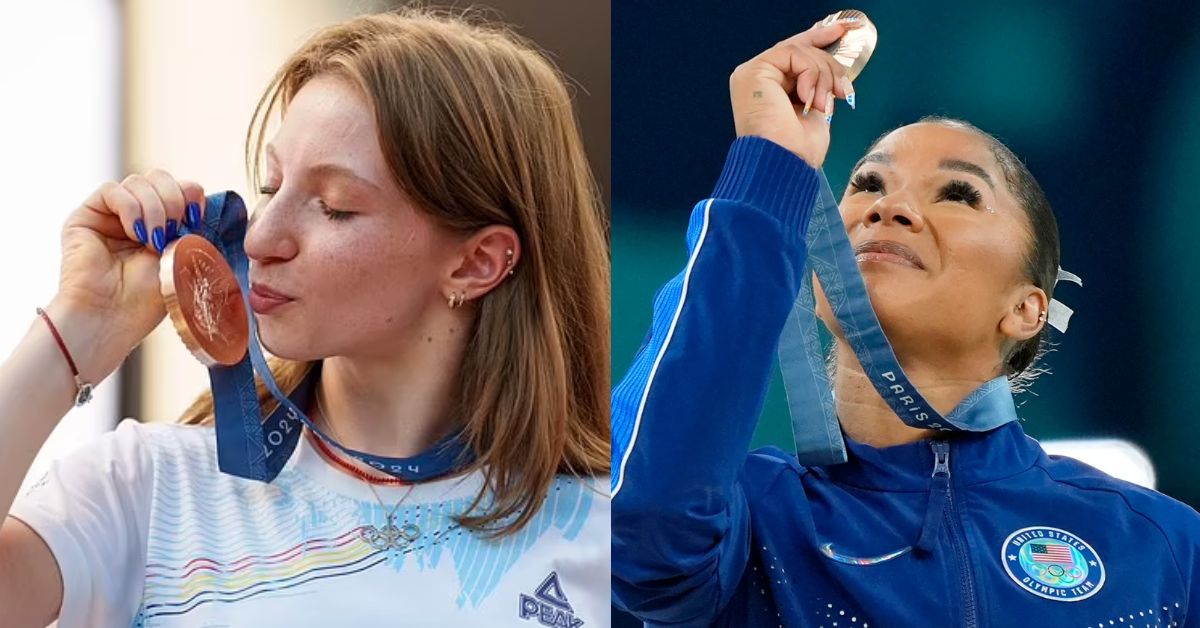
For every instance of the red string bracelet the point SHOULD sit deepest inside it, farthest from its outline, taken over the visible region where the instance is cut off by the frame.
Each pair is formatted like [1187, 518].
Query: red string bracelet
[83, 389]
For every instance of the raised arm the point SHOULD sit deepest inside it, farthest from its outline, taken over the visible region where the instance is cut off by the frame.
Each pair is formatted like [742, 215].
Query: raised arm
[683, 417]
[109, 299]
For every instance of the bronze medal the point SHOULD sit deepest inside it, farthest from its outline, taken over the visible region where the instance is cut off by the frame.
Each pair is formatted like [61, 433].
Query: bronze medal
[853, 49]
[204, 301]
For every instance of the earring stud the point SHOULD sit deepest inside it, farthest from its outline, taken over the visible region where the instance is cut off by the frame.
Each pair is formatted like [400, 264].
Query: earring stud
[509, 261]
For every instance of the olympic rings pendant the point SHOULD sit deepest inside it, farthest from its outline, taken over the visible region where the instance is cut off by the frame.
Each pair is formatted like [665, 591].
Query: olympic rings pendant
[391, 537]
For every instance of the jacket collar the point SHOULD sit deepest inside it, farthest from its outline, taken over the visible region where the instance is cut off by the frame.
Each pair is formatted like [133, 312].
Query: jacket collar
[975, 457]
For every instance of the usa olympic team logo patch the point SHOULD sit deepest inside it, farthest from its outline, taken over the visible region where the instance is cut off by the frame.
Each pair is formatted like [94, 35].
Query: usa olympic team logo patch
[1053, 564]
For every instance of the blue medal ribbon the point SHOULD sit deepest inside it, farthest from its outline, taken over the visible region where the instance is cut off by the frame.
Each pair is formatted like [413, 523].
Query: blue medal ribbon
[801, 357]
[247, 446]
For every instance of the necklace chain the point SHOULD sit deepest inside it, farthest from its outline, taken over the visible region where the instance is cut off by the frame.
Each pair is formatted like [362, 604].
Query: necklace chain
[347, 467]
[391, 536]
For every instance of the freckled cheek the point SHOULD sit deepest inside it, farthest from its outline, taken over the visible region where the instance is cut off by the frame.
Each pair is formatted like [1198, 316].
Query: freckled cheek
[338, 289]
[375, 276]
[345, 270]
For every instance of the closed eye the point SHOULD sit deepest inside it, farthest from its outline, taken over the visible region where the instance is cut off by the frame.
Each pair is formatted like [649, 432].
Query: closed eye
[330, 213]
[333, 214]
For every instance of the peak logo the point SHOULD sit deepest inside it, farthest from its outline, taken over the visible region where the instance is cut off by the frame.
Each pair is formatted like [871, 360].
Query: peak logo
[549, 605]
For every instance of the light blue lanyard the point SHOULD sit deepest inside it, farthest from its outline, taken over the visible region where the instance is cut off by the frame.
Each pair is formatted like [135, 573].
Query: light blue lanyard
[801, 358]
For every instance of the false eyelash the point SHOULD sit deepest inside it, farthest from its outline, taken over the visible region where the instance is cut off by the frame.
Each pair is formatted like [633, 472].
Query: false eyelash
[862, 180]
[967, 191]
[871, 182]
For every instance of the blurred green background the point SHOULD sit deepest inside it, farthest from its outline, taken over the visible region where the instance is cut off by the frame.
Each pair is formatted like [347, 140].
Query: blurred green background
[1102, 101]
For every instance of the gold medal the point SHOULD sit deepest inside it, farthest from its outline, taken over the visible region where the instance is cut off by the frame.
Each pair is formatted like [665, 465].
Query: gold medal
[854, 48]
[204, 301]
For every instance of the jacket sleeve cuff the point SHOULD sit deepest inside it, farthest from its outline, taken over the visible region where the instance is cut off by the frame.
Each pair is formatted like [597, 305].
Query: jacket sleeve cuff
[764, 175]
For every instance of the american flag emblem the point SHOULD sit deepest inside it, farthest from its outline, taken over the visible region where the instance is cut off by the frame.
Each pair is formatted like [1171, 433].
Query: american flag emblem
[1051, 554]
[1052, 564]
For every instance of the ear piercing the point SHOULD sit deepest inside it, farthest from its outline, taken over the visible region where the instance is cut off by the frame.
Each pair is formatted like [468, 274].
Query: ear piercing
[990, 210]
[1042, 315]
[456, 299]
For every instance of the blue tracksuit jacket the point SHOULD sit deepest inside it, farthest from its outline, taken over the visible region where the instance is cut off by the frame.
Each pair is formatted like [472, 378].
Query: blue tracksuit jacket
[705, 534]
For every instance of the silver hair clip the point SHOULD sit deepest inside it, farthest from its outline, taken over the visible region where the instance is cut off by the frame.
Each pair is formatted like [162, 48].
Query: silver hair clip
[1060, 315]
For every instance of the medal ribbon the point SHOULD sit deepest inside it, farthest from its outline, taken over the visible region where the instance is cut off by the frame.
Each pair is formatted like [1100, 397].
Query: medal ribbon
[247, 446]
[801, 357]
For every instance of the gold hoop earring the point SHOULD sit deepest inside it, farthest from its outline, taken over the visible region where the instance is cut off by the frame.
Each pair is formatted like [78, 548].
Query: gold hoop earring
[456, 299]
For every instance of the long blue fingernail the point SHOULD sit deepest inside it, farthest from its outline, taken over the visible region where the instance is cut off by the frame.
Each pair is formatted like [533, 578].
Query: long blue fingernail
[850, 100]
[172, 229]
[193, 215]
[139, 229]
[160, 239]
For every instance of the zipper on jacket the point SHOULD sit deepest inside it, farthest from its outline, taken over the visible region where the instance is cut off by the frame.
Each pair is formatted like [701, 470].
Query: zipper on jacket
[939, 490]
[949, 515]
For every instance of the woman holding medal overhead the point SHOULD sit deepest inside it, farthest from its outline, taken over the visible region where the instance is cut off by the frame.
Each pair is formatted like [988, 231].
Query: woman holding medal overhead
[937, 510]
[428, 264]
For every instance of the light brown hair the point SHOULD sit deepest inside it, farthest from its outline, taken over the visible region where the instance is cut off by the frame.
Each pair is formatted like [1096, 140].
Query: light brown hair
[479, 129]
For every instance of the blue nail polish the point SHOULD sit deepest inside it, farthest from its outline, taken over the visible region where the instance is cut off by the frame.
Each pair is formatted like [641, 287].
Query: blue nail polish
[829, 119]
[160, 239]
[193, 215]
[850, 100]
[172, 230]
[139, 229]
